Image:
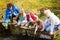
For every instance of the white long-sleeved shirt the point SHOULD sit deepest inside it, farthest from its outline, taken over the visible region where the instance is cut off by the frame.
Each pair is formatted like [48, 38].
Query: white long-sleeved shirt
[53, 20]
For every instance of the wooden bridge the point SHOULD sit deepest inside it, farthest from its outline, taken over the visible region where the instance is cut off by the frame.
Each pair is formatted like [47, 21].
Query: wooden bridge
[26, 31]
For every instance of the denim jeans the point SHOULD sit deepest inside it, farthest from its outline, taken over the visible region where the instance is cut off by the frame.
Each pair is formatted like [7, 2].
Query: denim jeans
[47, 28]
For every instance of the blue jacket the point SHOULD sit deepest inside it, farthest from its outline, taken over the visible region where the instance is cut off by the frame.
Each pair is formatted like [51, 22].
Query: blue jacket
[9, 13]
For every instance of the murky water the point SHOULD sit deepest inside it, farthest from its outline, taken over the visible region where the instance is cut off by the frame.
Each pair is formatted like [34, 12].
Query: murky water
[6, 35]
[19, 37]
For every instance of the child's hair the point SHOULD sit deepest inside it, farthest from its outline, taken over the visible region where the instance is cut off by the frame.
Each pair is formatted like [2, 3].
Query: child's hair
[38, 22]
[9, 5]
[42, 10]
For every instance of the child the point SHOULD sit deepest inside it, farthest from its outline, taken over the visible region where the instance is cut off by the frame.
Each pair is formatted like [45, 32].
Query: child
[22, 20]
[52, 21]
[31, 18]
[11, 11]
[39, 26]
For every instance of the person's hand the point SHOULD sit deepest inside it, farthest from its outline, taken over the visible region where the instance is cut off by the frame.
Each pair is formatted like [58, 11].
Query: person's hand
[5, 25]
[34, 33]
[51, 33]
[41, 30]
[16, 25]
[26, 24]
[14, 13]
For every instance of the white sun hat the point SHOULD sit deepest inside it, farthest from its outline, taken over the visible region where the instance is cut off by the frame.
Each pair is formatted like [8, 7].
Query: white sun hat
[48, 12]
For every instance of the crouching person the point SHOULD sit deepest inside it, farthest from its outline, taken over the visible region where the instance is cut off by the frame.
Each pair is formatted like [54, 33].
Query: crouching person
[11, 11]
[52, 21]
[22, 18]
[31, 18]
[39, 26]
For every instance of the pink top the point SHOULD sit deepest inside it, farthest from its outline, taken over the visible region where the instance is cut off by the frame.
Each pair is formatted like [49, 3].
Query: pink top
[31, 16]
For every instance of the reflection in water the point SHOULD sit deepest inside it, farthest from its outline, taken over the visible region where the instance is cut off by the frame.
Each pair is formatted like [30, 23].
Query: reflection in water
[6, 35]
[18, 37]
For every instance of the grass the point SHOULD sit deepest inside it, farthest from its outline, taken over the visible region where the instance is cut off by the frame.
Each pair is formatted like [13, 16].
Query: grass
[58, 37]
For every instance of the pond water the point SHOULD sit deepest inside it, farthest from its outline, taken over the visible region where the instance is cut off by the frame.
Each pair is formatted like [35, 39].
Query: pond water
[15, 37]
[9, 36]
[6, 35]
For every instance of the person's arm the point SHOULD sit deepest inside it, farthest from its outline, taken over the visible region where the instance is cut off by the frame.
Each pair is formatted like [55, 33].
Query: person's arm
[31, 19]
[43, 27]
[36, 17]
[36, 28]
[24, 19]
[43, 24]
[52, 27]
[14, 13]
[17, 10]
[8, 13]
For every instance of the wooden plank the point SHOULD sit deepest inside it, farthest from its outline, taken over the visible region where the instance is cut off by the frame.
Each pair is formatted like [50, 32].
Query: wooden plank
[56, 33]
[30, 30]
[2, 20]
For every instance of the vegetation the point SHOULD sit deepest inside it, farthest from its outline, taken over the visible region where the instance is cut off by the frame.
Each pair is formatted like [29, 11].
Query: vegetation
[31, 4]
